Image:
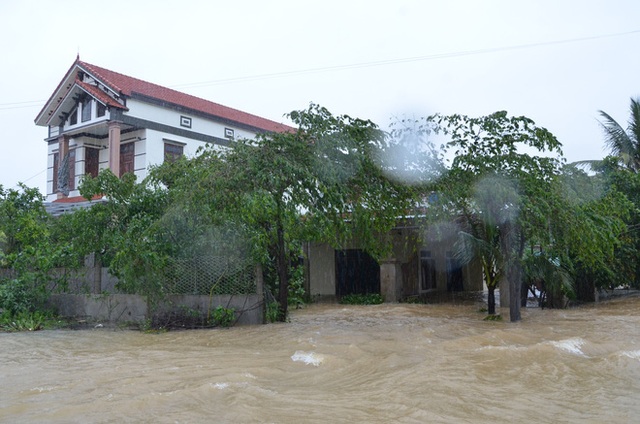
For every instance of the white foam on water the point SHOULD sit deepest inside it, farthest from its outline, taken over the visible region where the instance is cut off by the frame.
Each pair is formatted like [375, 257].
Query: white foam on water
[573, 346]
[309, 358]
[633, 354]
[220, 386]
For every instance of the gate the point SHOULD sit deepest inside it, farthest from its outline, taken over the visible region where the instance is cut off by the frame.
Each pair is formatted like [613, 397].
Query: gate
[356, 273]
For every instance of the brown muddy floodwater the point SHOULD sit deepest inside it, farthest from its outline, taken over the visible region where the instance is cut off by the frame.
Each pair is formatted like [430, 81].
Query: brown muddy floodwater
[337, 364]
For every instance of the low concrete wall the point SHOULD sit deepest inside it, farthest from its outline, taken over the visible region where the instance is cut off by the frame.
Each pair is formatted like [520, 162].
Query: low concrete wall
[122, 308]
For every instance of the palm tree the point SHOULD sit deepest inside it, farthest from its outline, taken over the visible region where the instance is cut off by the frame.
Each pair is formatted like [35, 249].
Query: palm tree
[625, 144]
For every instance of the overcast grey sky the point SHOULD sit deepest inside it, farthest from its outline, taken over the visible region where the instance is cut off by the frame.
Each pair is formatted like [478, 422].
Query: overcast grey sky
[557, 62]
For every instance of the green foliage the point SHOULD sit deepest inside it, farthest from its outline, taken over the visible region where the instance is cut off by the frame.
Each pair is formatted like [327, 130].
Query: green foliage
[327, 168]
[272, 310]
[223, 317]
[362, 299]
[126, 231]
[624, 143]
[493, 317]
[590, 229]
[491, 188]
[28, 251]
[24, 294]
[297, 295]
[549, 276]
[22, 321]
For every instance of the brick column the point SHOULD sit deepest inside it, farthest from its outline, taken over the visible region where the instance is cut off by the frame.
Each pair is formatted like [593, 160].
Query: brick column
[114, 147]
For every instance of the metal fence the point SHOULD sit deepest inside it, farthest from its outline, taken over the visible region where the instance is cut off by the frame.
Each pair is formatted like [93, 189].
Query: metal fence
[207, 275]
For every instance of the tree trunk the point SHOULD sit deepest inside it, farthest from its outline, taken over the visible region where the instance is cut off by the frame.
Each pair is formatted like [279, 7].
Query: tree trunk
[491, 301]
[512, 269]
[283, 275]
[524, 294]
[515, 287]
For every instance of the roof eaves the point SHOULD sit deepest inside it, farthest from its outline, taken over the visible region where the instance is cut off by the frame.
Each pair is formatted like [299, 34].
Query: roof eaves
[58, 88]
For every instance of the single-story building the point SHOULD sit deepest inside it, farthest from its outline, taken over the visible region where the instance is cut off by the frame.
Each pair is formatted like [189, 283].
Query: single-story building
[422, 264]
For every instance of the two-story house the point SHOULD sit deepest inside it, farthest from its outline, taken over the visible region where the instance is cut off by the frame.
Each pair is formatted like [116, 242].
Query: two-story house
[99, 119]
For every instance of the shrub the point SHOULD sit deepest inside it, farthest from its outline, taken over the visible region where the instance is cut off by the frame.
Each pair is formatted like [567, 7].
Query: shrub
[296, 288]
[22, 294]
[272, 312]
[24, 321]
[223, 317]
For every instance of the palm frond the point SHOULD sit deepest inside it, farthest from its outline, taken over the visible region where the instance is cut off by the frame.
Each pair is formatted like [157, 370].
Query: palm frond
[616, 138]
[587, 165]
[634, 125]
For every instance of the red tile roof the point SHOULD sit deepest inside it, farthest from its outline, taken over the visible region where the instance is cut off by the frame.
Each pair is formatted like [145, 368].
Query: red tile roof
[128, 86]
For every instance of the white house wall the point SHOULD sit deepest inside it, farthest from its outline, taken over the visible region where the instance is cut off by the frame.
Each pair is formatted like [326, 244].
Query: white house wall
[155, 145]
[172, 118]
[322, 270]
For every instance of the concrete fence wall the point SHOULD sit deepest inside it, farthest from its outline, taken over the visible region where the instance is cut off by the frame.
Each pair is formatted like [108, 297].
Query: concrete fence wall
[131, 308]
[91, 293]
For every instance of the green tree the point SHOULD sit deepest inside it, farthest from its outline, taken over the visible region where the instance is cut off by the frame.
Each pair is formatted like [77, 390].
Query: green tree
[624, 143]
[495, 189]
[318, 182]
[125, 231]
[26, 250]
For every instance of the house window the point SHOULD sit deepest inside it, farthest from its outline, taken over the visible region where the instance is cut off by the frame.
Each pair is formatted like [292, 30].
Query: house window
[427, 271]
[101, 109]
[127, 158]
[86, 110]
[91, 161]
[73, 118]
[172, 152]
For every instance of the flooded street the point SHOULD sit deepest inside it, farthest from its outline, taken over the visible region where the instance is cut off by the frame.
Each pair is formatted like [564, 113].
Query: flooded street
[336, 363]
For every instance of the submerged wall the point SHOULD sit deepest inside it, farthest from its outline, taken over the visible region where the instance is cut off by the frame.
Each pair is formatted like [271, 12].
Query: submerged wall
[91, 293]
[130, 308]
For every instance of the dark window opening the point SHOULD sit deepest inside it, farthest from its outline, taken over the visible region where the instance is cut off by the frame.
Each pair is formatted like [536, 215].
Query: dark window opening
[455, 278]
[172, 152]
[86, 110]
[101, 109]
[91, 161]
[73, 118]
[427, 271]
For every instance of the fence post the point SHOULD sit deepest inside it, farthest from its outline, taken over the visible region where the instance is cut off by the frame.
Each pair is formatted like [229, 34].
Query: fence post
[259, 281]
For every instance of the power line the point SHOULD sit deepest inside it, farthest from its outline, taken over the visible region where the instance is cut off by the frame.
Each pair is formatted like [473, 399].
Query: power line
[23, 105]
[401, 60]
[439, 56]
[17, 185]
